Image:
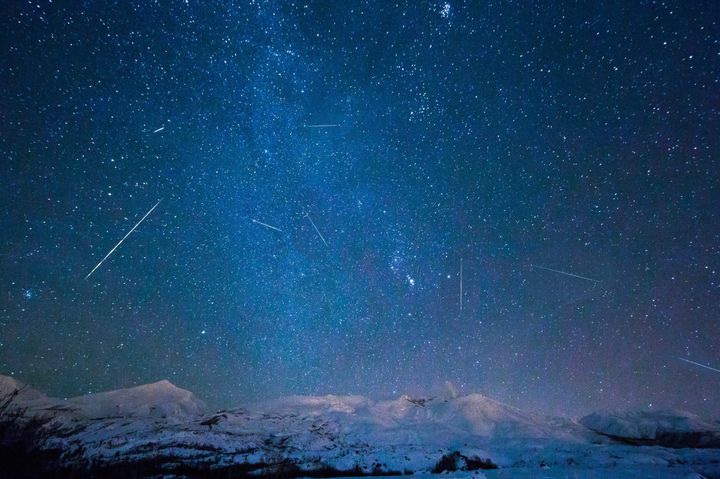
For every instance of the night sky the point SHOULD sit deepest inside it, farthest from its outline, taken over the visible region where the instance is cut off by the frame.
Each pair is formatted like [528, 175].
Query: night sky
[388, 142]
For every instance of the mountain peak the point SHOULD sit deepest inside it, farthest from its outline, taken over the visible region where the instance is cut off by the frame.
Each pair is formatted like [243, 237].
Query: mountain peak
[26, 395]
[159, 398]
[8, 384]
[163, 383]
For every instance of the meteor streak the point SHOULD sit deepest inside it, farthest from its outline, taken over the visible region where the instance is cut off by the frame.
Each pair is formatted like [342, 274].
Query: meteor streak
[565, 273]
[701, 365]
[266, 225]
[316, 229]
[321, 126]
[159, 129]
[461, 288]
[124, 237]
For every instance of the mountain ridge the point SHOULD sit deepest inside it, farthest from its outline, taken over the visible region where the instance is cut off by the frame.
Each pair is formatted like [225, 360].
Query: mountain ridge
[161, 428]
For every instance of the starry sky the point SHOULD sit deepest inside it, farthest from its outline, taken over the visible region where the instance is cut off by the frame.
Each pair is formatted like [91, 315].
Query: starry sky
[383, 144]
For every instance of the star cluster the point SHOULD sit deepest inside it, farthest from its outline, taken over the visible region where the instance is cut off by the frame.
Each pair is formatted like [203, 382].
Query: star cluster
[325, 167]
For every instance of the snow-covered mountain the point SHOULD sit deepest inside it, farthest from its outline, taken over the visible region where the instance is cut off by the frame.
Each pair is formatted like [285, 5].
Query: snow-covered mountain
[161, 398]
[474, 414]
[664, 428]
[29, 398]
[159, 428]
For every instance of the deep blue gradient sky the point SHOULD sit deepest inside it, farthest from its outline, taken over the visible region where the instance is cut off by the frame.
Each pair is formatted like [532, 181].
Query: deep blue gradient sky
[579, 137]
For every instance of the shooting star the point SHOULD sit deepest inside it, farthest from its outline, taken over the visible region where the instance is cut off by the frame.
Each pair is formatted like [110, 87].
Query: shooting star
[565, 273]
[461, 291]
[266, 225]
[321, 126]
[159, 129]
[124, 237]
[701, 365]
[316, 229]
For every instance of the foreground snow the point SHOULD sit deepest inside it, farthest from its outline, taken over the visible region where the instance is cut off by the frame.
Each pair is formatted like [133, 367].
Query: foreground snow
[160, 427]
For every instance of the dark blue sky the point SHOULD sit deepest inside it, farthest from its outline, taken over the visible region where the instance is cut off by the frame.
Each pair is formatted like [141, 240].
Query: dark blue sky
[578, 137]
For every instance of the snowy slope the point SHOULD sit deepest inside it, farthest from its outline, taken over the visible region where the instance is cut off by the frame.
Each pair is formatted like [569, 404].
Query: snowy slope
[156, 399]
[666, 428]
[355, 434]
[36, 402]
[474, 414]
[9, 384]
[158, 428]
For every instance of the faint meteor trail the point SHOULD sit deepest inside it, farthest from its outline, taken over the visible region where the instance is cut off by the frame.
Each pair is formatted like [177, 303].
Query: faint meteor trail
[701, 365]
[321, 126]
[159, 129]
[266, 225]
[461, 295]
[124, 237]
[565, 273]
[316, 229]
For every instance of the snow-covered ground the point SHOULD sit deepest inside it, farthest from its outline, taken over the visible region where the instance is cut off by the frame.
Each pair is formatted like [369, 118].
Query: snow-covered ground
[171, 429]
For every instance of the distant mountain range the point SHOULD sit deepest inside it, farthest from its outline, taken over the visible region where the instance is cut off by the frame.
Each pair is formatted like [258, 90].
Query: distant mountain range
[159, 429]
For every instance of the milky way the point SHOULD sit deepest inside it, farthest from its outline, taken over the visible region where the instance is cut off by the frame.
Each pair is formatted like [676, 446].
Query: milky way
[384, 143]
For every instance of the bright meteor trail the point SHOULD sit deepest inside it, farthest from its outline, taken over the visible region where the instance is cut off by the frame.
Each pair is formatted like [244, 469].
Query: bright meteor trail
[317, 230]
[699, 364]
[266, 225]
[123, 239]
